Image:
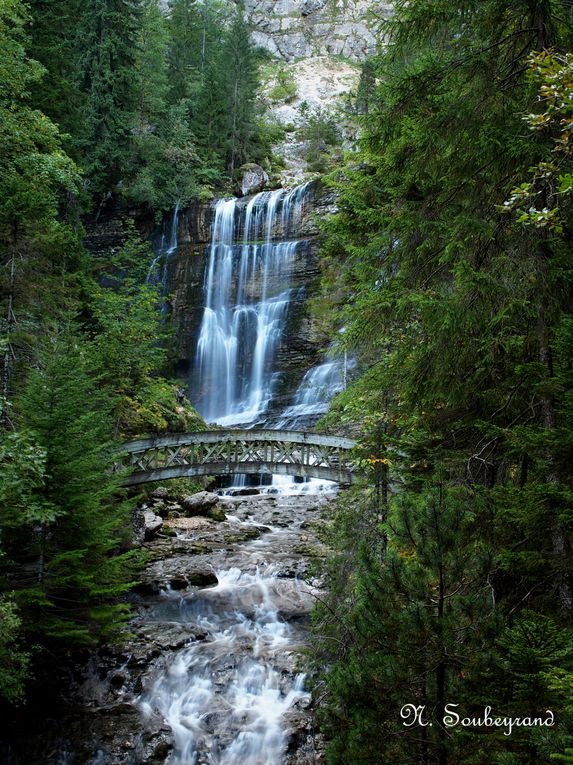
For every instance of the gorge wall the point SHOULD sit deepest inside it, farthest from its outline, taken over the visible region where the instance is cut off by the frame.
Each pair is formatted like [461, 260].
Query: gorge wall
[293, 29]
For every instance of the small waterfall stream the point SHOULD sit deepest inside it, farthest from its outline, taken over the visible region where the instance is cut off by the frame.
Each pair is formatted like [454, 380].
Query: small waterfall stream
[167, 245]
[317, 389]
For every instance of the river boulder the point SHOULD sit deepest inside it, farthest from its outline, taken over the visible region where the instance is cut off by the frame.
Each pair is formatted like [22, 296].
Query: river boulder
[151, 524]
[199, 503]
[216, 513]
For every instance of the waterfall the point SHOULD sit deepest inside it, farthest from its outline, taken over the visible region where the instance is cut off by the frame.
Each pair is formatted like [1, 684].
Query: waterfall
[313, 396]
[167, 246]
[247, 297]
[311, 400]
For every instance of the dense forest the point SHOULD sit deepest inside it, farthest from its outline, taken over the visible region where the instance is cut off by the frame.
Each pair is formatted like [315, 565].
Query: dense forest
[448, 268]
[449, 264]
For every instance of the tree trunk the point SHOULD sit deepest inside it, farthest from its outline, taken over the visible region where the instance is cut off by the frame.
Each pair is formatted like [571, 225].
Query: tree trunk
[441, 679]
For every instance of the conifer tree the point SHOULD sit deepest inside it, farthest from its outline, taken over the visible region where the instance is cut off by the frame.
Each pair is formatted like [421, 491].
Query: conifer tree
[462, 317]
[70, 571]
[241, 68]
[195, 31]
[152, 67]
[37, 246]
[224, 117]
[108, 44]
[53, 30]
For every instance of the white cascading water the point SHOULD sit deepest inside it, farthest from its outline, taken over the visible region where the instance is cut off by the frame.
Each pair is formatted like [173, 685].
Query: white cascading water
[311, 400]
[247, 296]
[224, 697]
[317, 389]
[167, 246]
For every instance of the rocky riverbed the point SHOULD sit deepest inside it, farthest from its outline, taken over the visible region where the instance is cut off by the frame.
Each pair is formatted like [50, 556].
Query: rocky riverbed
[212, 673]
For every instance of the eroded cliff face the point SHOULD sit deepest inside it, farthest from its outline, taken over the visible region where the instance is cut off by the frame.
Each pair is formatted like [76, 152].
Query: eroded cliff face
[293, 29]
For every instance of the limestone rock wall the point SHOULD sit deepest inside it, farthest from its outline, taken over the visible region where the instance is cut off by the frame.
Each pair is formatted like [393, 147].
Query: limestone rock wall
[292, 29]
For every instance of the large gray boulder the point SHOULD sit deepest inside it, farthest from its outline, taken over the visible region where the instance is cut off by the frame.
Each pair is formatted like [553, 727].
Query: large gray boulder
[151, 524]
[200, 503]
[254, 179]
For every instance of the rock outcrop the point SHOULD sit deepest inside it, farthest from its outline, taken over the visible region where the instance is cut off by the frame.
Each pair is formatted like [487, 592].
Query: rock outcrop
[292, 29]
[254, 179]
[199, 503]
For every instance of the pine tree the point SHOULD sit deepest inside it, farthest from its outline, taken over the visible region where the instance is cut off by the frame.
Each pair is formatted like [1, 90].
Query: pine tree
[37, 246]
[195, 35]
[462, 317]
[224, 115]
[151, 66]
[415, 607]
[69, 573]
[108, 42]
[54, 26]
[240, 65]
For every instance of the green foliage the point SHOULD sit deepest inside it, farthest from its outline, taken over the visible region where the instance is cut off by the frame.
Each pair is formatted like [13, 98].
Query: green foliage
[22, 477]
[160, 108]
[567, 757]
[53, 32]
[126, 325]
[13, 660]
[366, 91]
[34, 168]
[540, 202]
[36, 244]
[166, 168]
[107, 43]
[195, 33]
[152, 67]
[225, 116]
[158, 406]
[67, 562]
[461, 318]
[284, 90]
[411, 607]
[320, 133]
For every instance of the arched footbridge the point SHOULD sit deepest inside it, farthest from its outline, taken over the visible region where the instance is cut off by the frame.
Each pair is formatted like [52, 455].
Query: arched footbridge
[232, 452]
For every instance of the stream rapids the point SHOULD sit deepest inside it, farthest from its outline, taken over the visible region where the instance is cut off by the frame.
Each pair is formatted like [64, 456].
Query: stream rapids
[234, 693]
[213, 672]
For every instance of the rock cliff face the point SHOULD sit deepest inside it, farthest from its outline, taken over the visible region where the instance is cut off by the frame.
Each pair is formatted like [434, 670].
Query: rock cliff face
[292, 29]
[300, 347]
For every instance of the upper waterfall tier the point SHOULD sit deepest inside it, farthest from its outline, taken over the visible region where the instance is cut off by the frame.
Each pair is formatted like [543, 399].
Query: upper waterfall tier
[247, 294]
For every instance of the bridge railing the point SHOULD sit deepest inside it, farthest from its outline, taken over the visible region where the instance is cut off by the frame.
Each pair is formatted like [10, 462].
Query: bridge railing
[239, 451]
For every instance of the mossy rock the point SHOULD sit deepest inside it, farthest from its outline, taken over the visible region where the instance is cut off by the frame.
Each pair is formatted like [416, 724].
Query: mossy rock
[216, 514]
[311, 551]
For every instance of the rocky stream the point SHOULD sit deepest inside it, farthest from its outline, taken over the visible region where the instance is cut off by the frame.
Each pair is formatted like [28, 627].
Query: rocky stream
[213, 672]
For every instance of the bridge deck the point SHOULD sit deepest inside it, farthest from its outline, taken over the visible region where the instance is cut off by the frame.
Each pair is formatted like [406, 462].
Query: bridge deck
[232, 452]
